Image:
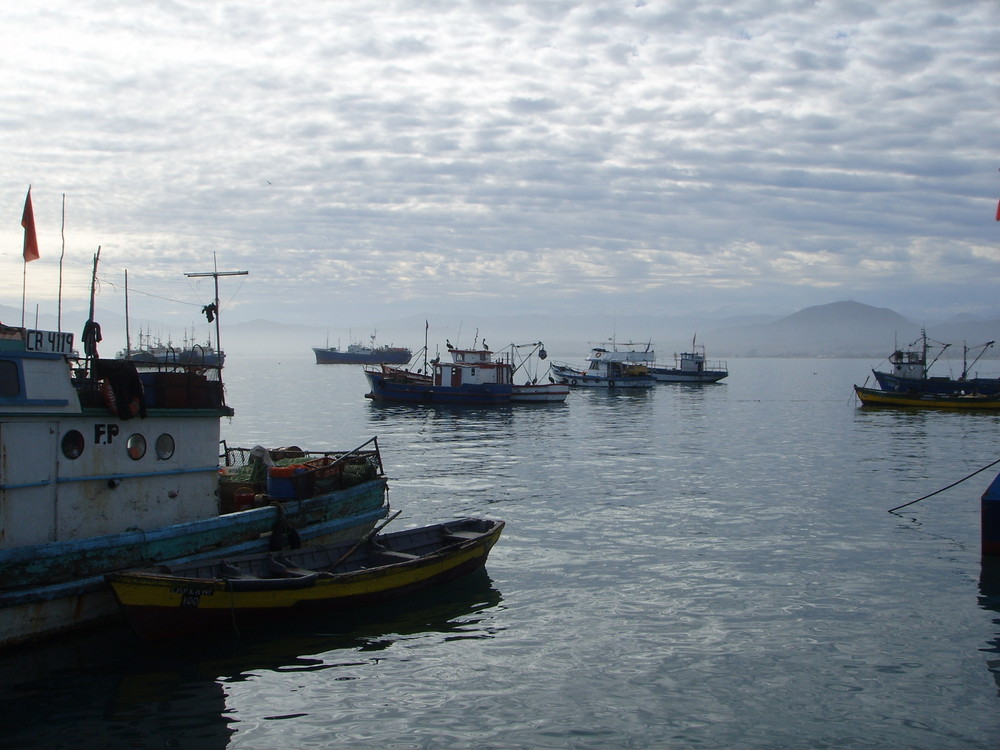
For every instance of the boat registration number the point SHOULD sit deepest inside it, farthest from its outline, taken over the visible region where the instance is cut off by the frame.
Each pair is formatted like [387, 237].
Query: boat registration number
[57, 342]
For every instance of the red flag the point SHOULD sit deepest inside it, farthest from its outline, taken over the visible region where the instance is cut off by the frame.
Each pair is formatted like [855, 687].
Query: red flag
[998, 211]
[30, 239]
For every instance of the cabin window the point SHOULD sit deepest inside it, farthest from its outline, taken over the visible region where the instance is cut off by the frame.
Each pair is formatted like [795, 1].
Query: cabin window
[10, 383]
[164, 446]
[72, 444]
[136, 446]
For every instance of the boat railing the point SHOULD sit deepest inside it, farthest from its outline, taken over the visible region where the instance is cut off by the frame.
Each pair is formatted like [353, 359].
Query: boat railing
[719, 364]
[166, 388]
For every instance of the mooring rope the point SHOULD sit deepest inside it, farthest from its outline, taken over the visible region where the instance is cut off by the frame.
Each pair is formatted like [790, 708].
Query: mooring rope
[977, 471]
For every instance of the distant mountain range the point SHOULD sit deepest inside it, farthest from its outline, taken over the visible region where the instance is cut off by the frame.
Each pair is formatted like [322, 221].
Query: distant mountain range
[839, 329]
[843, 329]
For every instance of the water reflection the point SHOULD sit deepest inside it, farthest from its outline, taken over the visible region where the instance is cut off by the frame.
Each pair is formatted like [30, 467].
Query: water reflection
[106, 689]
[989, 599]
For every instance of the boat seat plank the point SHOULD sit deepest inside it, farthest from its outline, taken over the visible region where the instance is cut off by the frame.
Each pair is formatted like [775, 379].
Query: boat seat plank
[397, 555]
[462, 536]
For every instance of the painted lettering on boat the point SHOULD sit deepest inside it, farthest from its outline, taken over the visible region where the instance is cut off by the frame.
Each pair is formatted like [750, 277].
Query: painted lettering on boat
[191, 595]
[104, 434]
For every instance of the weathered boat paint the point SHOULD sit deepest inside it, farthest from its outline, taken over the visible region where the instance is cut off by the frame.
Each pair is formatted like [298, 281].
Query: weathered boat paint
[93, 478]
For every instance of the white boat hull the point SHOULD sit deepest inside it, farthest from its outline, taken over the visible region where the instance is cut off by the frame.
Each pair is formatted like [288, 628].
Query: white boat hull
[581, 379]
[550, 393]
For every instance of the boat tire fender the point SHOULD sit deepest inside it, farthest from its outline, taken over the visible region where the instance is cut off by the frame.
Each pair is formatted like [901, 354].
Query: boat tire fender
[611, 384]
[130, 408]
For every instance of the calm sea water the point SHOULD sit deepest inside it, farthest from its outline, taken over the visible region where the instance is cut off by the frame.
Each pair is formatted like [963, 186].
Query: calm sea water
[708, 567]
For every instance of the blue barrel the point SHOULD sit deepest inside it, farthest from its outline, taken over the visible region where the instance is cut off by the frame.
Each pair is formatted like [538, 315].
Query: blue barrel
[281, 481]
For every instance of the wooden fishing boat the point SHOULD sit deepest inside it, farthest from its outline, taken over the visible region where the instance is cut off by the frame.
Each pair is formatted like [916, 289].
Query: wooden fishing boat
[473, 376]
[876, 397]
[221, 595]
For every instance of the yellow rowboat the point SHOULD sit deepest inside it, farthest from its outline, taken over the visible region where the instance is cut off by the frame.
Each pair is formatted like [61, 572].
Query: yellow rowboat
[875, 397]
[240, 593]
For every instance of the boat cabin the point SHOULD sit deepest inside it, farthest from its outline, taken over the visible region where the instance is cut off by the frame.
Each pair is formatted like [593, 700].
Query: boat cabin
[472, 367]
[619, 363]
[908, 363]
[691, 362]
[86, 453]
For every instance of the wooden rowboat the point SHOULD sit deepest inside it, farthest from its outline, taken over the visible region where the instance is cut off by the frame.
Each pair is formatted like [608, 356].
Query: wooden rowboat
[228, 595]
[876, 397]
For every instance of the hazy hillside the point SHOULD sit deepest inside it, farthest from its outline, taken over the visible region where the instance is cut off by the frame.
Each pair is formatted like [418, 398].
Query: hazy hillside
[839, 329]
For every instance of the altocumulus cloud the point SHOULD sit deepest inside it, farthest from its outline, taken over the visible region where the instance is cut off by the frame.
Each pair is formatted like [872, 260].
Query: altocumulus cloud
[394, 158]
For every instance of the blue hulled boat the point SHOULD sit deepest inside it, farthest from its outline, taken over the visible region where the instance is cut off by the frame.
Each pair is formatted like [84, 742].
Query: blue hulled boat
[473, 376]
[910, 372]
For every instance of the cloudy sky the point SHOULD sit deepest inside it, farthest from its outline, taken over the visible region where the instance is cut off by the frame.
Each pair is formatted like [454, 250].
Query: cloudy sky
[365, 160]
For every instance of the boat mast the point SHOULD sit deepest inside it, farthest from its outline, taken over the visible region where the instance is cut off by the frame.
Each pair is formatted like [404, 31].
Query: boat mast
[128, 336]
[91, 329]
[965, 351]
[427, 327]
[212, 311]
[928, 365]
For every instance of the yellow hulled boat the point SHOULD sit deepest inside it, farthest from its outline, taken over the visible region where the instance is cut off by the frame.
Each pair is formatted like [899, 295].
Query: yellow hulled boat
[238, 593]
[876, 397]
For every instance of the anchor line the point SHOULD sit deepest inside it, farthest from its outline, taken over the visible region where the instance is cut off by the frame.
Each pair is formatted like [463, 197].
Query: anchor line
[977, 471]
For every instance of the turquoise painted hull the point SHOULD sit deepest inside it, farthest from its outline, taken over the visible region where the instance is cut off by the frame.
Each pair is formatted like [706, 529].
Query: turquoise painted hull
[59, 586]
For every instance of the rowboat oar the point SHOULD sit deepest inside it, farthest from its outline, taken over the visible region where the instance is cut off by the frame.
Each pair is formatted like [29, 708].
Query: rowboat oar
[363, 540]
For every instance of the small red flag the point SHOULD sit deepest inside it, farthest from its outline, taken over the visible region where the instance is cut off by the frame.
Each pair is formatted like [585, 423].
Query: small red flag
[998, 211]
[30, 239]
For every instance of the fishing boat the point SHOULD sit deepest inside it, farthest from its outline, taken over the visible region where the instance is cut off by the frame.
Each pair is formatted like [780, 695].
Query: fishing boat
[690, 367]
[104, 468]
[153, 352]
[624, 365]
[877, 397]
[910, 371]
[224, 595]
[361, 354]
[473, 376]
